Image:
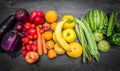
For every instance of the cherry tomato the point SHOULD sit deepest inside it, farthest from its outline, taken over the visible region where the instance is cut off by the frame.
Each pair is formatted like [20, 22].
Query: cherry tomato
[27, 25]
[35, 43]
[25, 40]
[35, 36]
[29, 47]
[32, 31]
[31, 42]
[30, 37]
[34, 48]
[23, 48]
[33, 26]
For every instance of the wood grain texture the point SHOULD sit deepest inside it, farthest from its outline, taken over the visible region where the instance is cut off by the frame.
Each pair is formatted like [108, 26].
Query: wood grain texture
[109, 61]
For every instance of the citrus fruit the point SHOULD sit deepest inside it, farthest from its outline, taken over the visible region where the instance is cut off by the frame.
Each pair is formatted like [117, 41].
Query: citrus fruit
[47, 35]
[53, 26]
[50, 44]
[51, 16]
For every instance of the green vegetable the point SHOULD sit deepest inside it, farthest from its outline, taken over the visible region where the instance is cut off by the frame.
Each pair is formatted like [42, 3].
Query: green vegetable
[103, 46]
[96, 19]
[90, 38]
[83, 41]
[114, 39]
[117, 27]
[111, 23]
[98, 36]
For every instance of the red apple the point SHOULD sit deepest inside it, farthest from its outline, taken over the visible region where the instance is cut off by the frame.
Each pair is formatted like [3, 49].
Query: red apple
[31, 57]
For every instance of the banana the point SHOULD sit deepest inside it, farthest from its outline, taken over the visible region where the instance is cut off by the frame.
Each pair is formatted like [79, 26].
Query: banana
[59, 38]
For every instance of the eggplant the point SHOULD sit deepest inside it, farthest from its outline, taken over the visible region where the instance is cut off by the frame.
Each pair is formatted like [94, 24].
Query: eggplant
[7, 25]
[11, 41]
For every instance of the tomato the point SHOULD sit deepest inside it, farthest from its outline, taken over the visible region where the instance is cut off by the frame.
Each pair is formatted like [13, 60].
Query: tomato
[33, 26]
[30, 37]
[34, 48]
[32, 31]
[30, 42]
[27, 25]
[35, 36]
[35, 43]
[25, 40]
[29, 47]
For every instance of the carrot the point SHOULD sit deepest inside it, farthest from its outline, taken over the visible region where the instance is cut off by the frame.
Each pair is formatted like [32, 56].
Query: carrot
[39, 40]
[44, 45]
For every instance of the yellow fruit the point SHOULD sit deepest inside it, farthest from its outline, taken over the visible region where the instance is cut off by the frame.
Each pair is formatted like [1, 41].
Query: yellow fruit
[58, 49]
[76, 50]
[53, 26]
[60, 40]
[54, 37]
[48, 35]
[70, 23]
[51, 16]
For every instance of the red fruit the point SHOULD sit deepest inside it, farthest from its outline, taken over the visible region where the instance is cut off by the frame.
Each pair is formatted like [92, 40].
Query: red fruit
[27, 25]
[32, 31]
[37, 21]
[34, 48]
[23, 48]
[30, 37]
[24, 52]
[33, 26]
[25, 40]
[46, 26]
[37, 17]
[34, 13]
[35, 43]
[29, 47]
[35, 36]
[30, 42]
[31, 57]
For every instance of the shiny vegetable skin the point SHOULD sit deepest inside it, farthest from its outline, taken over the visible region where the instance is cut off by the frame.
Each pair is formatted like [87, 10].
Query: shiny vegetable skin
[7, 25]
[11, 41]
[111, 23]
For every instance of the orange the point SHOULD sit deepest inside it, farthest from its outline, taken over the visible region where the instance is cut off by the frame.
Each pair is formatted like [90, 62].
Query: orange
[53, 26]
[51, 54]
[50, 44]
[48, 35]
[51, 16]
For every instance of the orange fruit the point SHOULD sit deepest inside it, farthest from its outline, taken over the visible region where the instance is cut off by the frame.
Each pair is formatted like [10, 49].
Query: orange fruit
[48, 35]
[51, 54]
[51, 16]
[50, 44]
[53, 26]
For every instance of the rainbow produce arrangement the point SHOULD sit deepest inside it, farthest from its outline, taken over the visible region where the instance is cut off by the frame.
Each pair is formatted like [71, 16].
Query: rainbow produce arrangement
[38, 33]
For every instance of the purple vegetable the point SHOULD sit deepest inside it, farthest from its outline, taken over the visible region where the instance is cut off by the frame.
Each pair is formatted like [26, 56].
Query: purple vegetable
[11, 41]
[19, 27]
[22, 15]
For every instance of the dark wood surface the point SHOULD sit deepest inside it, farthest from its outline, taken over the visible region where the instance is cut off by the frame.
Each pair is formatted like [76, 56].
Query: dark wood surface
[109, 61]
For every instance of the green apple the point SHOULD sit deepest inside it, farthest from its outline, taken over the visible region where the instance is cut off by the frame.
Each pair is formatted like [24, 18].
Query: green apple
[69, 35]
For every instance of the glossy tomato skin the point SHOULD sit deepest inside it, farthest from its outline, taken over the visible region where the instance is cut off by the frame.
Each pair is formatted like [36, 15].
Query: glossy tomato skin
[32, 31]
[27, 25]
